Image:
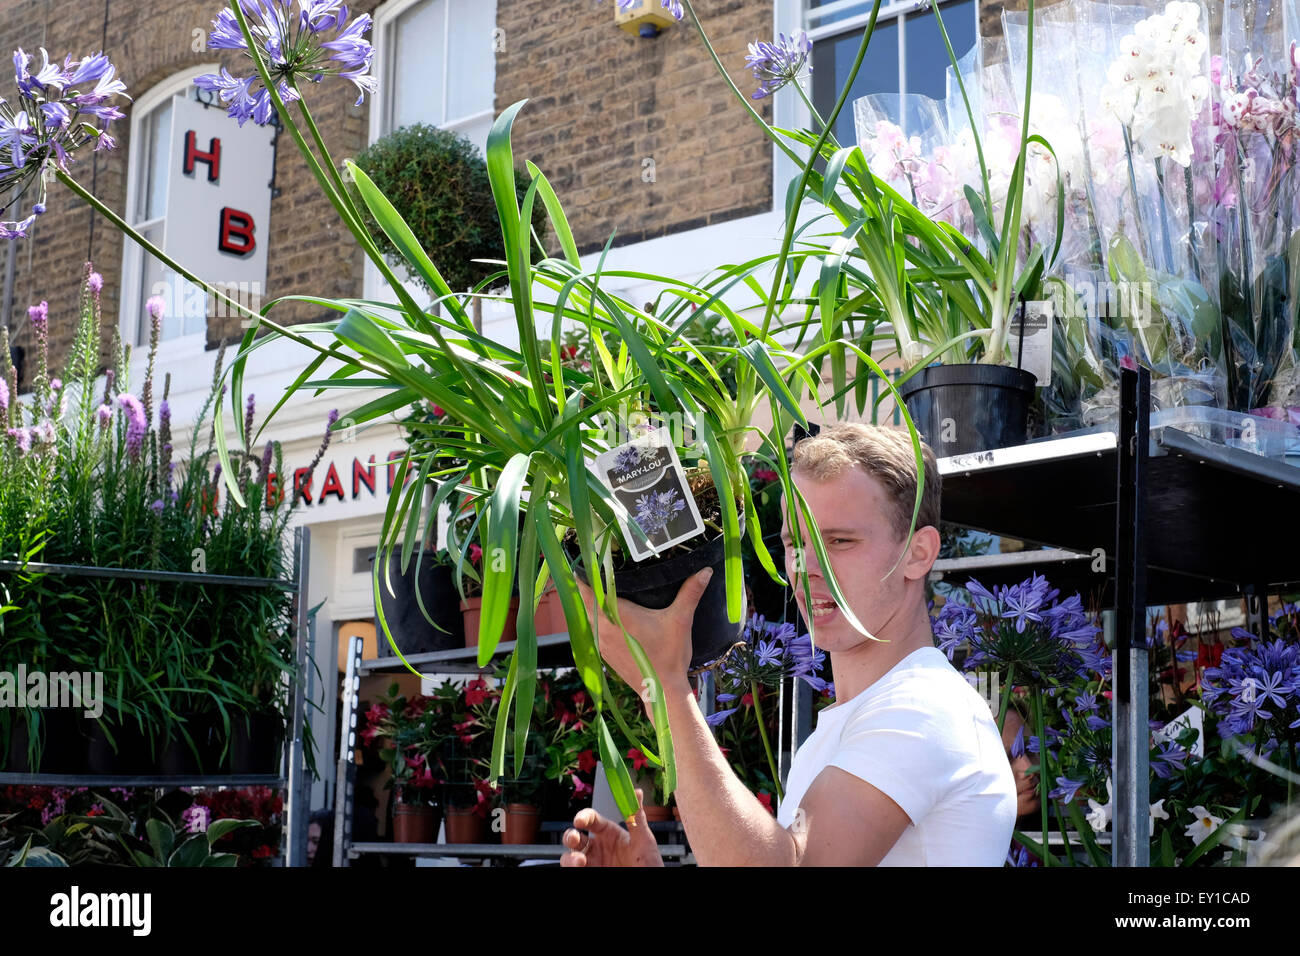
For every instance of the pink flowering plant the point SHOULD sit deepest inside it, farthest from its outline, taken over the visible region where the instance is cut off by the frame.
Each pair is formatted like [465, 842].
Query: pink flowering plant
[90, 477]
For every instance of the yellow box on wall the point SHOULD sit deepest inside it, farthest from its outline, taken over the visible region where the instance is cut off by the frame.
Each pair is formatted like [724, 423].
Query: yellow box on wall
[644, 13]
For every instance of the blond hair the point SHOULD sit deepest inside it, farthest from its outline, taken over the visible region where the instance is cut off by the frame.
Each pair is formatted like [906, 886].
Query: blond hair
[884, 454]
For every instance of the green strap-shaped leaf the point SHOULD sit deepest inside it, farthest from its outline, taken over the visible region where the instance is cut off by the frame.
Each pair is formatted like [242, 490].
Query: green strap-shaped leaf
[500, 548]
[620, 781]
[363, 333]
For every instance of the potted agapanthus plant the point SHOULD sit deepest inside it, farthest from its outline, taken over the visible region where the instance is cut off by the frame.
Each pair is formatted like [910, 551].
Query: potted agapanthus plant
[947, 296]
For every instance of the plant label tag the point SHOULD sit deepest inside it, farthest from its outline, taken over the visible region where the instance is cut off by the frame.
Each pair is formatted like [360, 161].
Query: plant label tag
[647, 478]
[1171, 731]
[1036, 357]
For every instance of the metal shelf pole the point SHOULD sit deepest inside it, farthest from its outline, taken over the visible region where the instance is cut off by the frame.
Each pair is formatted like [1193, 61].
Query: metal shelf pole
[1130, 756]
[345, 777]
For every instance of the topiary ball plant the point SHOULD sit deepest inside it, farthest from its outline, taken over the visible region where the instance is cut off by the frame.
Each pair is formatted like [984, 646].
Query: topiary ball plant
[438, 181]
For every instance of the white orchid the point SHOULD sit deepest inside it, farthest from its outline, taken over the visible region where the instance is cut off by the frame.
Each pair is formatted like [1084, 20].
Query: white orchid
[1205, 824]
[1099, 814]
[1159, 82]
[1157, 812]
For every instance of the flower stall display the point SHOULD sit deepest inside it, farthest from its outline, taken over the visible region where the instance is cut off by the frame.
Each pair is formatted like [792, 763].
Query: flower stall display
[747, 700]
[76, 826]
[193, 679]
[1221, 751]
[410, 735]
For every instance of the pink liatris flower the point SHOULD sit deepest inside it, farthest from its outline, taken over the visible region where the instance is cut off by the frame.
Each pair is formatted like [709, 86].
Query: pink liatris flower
[155, 306]
[22, 437]
[4, 395]
[96, 282]
[104, 415]
[135, 425]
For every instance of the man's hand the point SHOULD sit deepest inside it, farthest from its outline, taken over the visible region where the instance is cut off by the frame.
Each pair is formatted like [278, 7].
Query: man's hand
[1026, 782]
[665, 634]
[606, 843]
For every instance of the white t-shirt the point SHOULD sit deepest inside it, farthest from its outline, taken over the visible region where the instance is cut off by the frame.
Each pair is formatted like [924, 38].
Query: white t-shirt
[926, 739]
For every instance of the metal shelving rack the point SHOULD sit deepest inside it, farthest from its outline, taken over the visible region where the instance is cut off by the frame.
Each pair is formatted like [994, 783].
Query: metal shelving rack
[291, 776]
[1173, 518]
[553, 651]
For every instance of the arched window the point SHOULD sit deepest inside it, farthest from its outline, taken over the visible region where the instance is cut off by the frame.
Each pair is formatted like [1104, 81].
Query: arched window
[148, 165]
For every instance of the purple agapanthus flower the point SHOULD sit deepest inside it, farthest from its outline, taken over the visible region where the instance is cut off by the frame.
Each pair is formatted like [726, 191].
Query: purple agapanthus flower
[1256, 686]
[1065, 789]
[135, 424]
[655, 510]
[777, 63]
[674, 7]
[1169, 758]
[59, 108]
[719, 717]
[316, 41]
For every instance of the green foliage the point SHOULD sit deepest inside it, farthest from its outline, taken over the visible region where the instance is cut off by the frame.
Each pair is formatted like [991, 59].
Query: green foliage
[168, 651]
[438, 181]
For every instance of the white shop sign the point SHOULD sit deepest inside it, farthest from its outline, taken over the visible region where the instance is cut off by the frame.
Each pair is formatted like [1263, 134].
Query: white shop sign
[218, 207]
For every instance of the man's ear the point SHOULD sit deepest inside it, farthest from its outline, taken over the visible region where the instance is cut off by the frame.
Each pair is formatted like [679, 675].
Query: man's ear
[922, 553]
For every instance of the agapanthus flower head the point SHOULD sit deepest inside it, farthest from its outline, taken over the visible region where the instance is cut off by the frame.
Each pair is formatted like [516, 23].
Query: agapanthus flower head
[1256, 687]
[674, 7]
[1024, 626]
[59, 108]
[780, 62]
[303, 45]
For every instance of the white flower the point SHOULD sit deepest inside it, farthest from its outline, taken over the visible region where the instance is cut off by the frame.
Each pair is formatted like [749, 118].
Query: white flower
[1206, 823]
[1157, 811]
[1098, 814]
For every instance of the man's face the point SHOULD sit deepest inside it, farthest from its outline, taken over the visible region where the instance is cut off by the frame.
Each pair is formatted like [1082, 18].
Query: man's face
[313, 840]
[854, 515]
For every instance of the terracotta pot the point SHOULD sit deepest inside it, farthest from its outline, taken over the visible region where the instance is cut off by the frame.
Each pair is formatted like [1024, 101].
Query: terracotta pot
[522, 823]
[550, 614]
[677, 814]
[465, 826]
[415, 823]
[472, 610]
[657, 814]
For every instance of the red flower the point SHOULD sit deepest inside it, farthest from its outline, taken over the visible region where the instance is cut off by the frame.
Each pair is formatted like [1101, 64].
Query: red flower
[377, 713]
[579, 698]
[1106, 694]
[586, 761]
[747, 700]
[765, 799]
[438, 412]
[475, 553]
[765, 474]
[638, 758]
[262, 852]
[568, 351]
[94, 811]
[476, 692]
[580, 789]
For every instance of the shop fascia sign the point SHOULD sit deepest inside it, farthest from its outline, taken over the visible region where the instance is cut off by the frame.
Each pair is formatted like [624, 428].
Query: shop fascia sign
[351, 476]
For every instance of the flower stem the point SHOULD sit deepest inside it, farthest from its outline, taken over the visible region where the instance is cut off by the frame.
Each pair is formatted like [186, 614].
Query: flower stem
[1006, 697]
[1036, 695]
[767, 747]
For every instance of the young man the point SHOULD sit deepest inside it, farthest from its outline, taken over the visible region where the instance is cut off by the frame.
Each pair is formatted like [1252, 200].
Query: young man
[906, 768]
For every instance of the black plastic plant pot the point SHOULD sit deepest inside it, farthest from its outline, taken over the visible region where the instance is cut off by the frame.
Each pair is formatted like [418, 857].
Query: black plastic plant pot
[412, 632]
[654, 583]
[256, 743]
[179, 757]
[128, 751]
[964, 409]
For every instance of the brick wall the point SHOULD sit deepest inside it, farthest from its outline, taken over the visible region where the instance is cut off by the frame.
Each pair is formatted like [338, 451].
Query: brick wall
[605, 105]
[602, 104]
[148, 43]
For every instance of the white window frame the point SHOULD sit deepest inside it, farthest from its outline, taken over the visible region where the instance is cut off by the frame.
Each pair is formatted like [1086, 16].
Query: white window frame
[381, 107]
[131, 303]
[900, 10]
